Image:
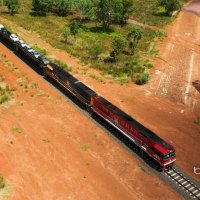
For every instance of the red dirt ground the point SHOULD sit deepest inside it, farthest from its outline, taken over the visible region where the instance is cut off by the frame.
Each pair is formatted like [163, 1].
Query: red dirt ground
[168, 105]
[60, 153]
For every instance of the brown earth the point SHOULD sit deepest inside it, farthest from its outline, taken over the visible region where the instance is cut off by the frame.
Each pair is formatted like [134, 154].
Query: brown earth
[177, 66]
[168, 105]
[59, 153]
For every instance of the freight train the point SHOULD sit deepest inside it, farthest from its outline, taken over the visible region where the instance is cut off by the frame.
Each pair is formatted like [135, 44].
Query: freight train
[147, 141]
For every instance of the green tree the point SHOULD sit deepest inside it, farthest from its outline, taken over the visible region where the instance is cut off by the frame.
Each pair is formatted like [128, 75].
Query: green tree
[96, 50]
[41, 6]
[61, 7]
[106, 12]
[13, 6]
[169, 5]
[142, 79]
[66, 34]
[74, 26]
[118, 45]
[133, 37]
[86, 8]
[127, 8]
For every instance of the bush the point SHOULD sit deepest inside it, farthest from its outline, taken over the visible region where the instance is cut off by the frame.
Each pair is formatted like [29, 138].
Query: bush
[142, 79]
[170, 5]
[96, 50]
[2, 182]
[4, 98]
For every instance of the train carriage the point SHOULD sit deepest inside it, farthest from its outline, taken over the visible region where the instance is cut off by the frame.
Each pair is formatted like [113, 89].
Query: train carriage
[80, 91]
[148, 141]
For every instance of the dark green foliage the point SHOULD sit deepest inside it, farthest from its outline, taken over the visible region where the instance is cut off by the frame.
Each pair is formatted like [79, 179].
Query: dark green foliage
[134, 36]
[13, 6]
[60, 7]
[74, 26]
[127, 8]
[86, 8]
[117, 11]
[105, 12]
[2, 182]
[170, 5]
[41, 6]
[96, 50]
[142, 79]
[118, 45]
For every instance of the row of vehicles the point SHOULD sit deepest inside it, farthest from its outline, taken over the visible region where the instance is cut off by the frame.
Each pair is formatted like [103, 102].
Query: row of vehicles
[158, 149]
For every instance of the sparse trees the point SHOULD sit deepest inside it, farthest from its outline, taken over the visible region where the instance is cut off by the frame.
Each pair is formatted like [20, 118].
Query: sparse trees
[170, 5]
[105, 12]
[127, 8]
[134, 36]
[13, 6]
[61, 6]
[118, 45]
[86, 8]
[41, 6]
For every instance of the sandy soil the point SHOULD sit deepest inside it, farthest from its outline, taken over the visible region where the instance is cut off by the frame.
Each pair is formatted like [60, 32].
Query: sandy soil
[54, 156]
[177, 71]
[168, 105]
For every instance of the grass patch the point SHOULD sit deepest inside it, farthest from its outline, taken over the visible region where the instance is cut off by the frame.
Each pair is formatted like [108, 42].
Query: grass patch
[2, 182]
[85, 147]
[39, 50]
[197, 120]
[62, 64]
[5, 91]
[17, 130]
[97, 78]
[147, 12]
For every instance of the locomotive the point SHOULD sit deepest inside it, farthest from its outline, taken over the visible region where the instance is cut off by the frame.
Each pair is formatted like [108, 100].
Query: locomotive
[158, 149]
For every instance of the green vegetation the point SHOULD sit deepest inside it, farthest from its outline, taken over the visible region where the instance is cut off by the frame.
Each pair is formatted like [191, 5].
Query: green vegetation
[13, 6]
[85, 147]
[148, 12]
[101, 37]
[197, 120]
[17, 130]
[169, 5]
[2, 182]
[40, 50]
[5, 91]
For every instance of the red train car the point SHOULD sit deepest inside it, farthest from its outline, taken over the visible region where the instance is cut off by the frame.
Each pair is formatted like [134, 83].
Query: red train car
[148, 141]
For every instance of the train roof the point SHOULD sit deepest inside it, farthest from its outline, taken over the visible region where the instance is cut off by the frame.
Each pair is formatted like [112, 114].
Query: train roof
[67, 76]
[143, 130]
[64, 74]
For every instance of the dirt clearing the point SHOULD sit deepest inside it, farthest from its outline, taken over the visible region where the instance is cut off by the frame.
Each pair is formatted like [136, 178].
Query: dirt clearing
[50, 150]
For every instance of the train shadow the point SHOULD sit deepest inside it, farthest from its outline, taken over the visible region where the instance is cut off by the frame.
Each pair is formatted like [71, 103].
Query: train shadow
[127, 142]
[30, 63]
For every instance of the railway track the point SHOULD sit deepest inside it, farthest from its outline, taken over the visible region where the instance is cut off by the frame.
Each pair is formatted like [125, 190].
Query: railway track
[191, 189]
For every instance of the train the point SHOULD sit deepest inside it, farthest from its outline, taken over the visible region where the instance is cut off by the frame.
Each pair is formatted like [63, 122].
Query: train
[155, 147]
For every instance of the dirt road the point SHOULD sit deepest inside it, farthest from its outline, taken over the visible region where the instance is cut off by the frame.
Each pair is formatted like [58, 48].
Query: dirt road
[177, 69]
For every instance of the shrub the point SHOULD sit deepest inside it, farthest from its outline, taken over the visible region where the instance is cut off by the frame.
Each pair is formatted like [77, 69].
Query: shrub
[4, 98]
[96, 50]
[142, 79]
[2, 182]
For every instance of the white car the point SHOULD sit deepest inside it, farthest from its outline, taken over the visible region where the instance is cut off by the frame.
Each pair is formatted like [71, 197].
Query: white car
[14, 38]
[1, 26]
[36, 54]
